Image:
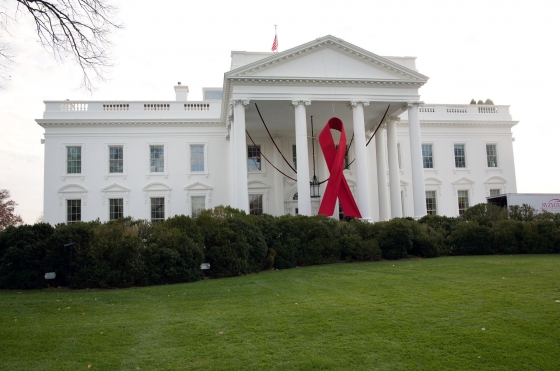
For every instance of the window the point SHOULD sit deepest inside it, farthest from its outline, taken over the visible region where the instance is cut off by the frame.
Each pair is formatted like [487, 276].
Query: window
[340, 212]
[345, 157]
[256, 204]
[197, 157]
[74, 160]
[463, 201]
[491, 155]
[157, 209]
[198, 204]
[431, 207]
[294, 156]
[495, 192]
[427, 156]
[116, 209]
[157, 159]
[460, 159]
[116, 159]
[254, 158]
[73, 211]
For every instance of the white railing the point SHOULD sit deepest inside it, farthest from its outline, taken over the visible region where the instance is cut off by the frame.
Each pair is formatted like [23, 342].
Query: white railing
[115, 106]
[197, 106]
[456, 109]
[427, 109]
[156, 107]
[487, 109]
[73, 106]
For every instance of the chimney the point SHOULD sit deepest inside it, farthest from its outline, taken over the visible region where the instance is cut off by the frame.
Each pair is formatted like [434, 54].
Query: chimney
[181, 92]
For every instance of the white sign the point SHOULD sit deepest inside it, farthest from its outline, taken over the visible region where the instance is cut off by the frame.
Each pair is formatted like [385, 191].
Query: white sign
[50, 276]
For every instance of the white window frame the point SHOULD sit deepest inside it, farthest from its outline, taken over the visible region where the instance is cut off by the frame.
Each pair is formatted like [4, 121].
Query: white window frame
[198, 189]
[292, 147]
[259, 188]
[434, 184]
[154, 190]
[434, 163]
[495, 182]
[64, 151]
[436, 198]
[165, 172]
[469, 196]
[263, 161]
[115, 191]
[72, 192]
[498, 157]
[165, 206]
[467, 162]
[189, 170]
[107, 174]
[463, 184]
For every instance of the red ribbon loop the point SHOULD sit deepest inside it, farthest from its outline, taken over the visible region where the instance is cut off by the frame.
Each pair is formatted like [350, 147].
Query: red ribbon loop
[337, 187]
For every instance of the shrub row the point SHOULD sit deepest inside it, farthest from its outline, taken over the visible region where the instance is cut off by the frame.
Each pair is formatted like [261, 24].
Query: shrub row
[127, 252]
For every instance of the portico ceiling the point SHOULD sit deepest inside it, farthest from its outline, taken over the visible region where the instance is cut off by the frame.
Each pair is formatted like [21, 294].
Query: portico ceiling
[279, 115]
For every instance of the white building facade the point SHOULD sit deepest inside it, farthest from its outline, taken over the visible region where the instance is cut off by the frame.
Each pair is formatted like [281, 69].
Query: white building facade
[152, 160]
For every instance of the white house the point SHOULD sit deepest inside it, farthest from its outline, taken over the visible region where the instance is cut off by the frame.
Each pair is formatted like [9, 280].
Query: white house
[155, 159]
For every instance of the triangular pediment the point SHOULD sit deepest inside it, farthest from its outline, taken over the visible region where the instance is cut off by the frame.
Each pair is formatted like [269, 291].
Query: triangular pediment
[328, 58]
[197, 186]
[115, 188]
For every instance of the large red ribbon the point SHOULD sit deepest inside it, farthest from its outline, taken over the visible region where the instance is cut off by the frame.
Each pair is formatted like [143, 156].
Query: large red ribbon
[337, 187]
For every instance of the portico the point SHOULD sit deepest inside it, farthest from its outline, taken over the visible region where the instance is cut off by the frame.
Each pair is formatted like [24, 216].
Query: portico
[325, 78]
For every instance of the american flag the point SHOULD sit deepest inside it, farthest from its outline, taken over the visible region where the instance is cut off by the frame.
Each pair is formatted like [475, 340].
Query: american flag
[275, 43]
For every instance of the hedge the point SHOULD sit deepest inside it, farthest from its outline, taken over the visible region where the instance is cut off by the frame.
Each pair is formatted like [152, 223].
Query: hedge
[130, 252]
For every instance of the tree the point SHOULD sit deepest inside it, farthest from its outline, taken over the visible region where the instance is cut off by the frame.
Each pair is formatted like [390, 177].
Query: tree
[480, 102]
[75, 29]
[473, 101]
[489, 101]
[8, 216]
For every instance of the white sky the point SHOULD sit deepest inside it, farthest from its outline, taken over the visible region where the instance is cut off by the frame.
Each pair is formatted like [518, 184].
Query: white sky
[504, 50]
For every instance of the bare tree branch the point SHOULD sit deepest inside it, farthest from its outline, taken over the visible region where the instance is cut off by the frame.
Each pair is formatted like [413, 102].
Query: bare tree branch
[81, 28]
[8, 216]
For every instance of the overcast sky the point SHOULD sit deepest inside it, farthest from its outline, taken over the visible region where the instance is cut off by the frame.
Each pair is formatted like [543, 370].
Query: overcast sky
[504, 50]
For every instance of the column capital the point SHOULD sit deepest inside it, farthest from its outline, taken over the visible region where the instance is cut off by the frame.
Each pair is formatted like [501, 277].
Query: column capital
[296, 102]
[355, 103]
[244, 102]
[412, 104]
[393, 119]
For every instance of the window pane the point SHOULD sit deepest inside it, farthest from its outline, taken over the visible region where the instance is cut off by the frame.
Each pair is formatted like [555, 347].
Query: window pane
[212, 95]
[345, 157]
[427, 156]
[116, 159]
[463, 201]
[254, 158]
[198, 204]
[431, 207]
[116, 209]
[460, 160]
[491, 155]
[157, 209]
[294, 156]
[197, 158]
[156, 159]
[73, 211]
[255, 204]
[73, 160]
[495, 192]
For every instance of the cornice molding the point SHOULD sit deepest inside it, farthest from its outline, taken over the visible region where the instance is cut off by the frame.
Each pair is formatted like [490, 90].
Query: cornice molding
[463, 123]
[76, 123]
[294, 80]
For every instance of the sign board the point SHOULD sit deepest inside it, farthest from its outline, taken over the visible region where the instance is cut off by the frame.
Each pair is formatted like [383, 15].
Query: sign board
[205, 266]
[50, 276]
[541, 202]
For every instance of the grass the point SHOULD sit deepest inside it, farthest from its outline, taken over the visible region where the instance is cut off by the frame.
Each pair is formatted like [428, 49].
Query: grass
[454, 313]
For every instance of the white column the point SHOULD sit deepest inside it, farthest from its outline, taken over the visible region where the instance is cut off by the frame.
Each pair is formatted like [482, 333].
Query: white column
[240, 192]
[362, 176]
[278, 180]
[394, 175]
[418, 187]
[231, 155]
[304, 193]
[383, 193]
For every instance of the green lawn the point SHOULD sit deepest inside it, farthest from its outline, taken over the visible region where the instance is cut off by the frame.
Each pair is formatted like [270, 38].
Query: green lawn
[453, 313]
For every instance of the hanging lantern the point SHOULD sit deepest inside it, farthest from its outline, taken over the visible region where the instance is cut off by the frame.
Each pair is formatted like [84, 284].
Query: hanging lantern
[315, 188]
